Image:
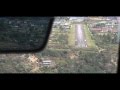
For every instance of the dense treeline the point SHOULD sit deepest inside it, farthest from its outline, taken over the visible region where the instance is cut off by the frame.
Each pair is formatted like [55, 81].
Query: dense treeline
[87, 62]
[109, 38]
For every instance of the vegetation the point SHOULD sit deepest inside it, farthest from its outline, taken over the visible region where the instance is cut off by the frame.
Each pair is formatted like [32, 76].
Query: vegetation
[65, 57]
[71, 36]
[90, 41]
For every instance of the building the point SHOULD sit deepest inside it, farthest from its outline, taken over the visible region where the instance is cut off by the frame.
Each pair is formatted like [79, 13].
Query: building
[46, 62]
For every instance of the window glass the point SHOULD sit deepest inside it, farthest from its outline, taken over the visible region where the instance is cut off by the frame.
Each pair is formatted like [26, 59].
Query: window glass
[76, 45]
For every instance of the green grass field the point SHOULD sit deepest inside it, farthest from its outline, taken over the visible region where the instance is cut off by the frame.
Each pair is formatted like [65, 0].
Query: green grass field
[90, 41]
[71, 36]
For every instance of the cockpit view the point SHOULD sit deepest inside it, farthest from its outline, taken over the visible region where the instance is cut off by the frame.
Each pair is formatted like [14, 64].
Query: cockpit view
[75, 44]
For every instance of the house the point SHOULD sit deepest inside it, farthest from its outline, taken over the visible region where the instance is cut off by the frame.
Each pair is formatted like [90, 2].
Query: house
[114, 31]
[96, 29]
[76, 19]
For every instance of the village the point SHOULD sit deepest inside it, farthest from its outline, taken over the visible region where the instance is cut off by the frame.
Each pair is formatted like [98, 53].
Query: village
[61, 33]
[103, 25]
[76, 45]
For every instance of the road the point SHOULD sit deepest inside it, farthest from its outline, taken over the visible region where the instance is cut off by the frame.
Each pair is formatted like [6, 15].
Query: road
[80, 38]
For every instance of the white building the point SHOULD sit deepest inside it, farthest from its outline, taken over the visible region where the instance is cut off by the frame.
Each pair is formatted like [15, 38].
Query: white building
[46, 62]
